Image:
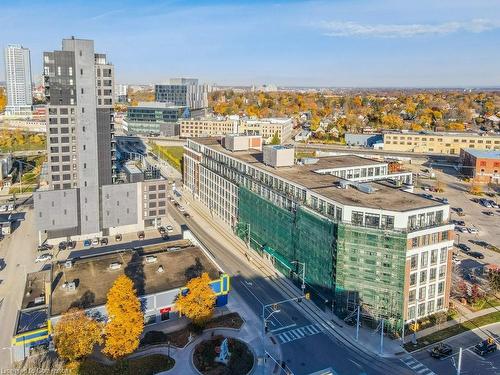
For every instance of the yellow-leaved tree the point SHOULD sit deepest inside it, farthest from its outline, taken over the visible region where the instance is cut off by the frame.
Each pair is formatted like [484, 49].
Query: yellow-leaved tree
[199, 301]
[125, 319]
[75, 335]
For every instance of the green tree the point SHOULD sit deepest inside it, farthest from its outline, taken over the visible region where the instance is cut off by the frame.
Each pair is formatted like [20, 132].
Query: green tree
[494, 280]
[276, 139]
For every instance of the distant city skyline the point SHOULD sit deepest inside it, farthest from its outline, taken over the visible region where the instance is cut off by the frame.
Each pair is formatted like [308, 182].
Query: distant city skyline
[289, 43]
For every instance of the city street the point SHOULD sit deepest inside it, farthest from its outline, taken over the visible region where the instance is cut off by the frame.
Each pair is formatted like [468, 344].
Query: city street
[18, 250]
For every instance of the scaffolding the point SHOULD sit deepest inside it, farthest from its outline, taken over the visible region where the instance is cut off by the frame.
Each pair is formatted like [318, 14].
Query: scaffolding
[370, 271]
[286, 236]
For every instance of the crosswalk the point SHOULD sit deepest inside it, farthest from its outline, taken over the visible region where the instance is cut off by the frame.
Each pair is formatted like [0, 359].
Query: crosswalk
[299, 333]
[416, 366]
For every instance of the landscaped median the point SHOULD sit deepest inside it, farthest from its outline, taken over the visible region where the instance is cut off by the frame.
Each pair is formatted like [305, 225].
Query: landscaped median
[147, 365]
[456, 329]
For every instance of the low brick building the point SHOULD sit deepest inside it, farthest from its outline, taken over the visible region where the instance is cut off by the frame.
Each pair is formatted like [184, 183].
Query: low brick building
[481, 165]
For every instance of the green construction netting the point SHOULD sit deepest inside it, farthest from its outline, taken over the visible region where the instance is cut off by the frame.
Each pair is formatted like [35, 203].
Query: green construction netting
[286, 236]
[370, 270]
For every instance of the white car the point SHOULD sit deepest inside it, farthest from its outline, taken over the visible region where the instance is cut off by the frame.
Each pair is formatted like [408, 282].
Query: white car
[43, 258]
[463, 229]
[3, 208]
[473, 230]
[169, 228]
[95, 241]
[181, 209]
[11, 207]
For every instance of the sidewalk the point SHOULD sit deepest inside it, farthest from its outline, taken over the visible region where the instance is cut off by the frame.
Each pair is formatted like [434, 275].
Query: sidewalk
[248, 333]
[465, 315]
[369, 340]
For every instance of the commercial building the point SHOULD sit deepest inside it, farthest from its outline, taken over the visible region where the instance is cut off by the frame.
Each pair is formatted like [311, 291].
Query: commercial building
[266, 128]
[482, 166]
[121, 93]
[439, 143]
[364, 238]
[365, 140]
[154, 118]
[185, 92]
[159, 272]
[18, 78]
[83, 199]
[208, 126]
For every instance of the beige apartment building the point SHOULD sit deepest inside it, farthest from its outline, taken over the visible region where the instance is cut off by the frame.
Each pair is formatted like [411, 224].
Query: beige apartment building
[439, 142]
[264, 127]
[190, 128]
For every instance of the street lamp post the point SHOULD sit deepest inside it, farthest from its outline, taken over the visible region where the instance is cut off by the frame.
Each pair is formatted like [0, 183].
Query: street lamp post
[303, 286]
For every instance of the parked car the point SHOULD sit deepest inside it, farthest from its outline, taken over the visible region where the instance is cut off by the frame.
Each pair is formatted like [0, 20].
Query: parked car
[445, 200]
[63, 245]
[165, 237]
[3, 208]
[71, 244]
[43, 258]
[104, 241]
[87, 243]
[141, 235]
[428, 196]
[95, 241]
[169, 228]
[473, 230]
[45, 247]
[493, 203]
[441, 350]
[162, 230]
[118, 237]
[186, 215]
[463, 247]
[460, 222]
[2, 264]
[486, 346]
[488, 213]
[181, 209]
[463, 229]
[10, 207]
[476, 254]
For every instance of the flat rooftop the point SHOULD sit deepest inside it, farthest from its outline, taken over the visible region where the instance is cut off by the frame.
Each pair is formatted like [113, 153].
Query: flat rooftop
[385, 197]
[94, 277]
[483, 154]
[450, 134]
[34, 289]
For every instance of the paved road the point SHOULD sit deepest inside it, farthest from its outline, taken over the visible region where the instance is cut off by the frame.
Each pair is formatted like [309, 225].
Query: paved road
[306, 346]
[18, 252]
[471, 362]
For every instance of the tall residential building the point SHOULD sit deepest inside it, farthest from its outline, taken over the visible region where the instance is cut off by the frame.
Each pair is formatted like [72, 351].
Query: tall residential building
[185, 92]
[83, 200]
[18, 77]
[365, 239]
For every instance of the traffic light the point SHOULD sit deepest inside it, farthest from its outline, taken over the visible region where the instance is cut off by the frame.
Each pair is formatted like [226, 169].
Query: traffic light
[308, 296]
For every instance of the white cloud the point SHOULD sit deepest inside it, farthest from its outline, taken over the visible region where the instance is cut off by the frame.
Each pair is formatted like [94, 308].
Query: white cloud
[340, 28]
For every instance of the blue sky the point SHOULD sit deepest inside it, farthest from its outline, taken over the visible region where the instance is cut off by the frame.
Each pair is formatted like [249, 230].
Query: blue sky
[297, 43]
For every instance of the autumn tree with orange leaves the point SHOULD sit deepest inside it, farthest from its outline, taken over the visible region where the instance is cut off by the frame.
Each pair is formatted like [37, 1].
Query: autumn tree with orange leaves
[125, 319]
[75, 335]
[199, 301]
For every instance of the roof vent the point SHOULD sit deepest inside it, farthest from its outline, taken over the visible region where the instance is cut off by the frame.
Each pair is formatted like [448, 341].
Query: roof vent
[151, 259]
[160, 269]
[68, 264]
[69, 286]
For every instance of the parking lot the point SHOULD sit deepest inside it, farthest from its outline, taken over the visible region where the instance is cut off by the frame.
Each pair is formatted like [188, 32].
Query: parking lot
[472, 363]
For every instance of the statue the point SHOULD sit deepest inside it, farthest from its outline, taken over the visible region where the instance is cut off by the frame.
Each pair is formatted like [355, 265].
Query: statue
[224, 354]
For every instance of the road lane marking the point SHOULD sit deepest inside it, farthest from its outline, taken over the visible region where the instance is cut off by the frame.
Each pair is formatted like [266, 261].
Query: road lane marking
[299, 333]
[416, 366]
[282, 328]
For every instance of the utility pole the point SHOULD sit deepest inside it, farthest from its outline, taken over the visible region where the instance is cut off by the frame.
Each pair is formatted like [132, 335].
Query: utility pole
[357, 324]
[382, 337]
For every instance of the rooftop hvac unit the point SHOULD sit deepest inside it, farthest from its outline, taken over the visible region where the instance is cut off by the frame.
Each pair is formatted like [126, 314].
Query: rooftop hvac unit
[151, 259]
[160, 269]
[39, 300]
[115, 266]
[68, 264]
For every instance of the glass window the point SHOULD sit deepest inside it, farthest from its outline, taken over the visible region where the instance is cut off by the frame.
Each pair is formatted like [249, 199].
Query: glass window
[372, 221]
[434, 255]
[421, 293]
[411, 295]
[439, 304]
[411, 312]
[421, 309]
[423, 277]
[432, 274]
[387, 222]
[414, 262]
[413, 278]
[442, 272]
[432, 291]
[442, 255]
[430, 307]
[441, 288]
[424, 259]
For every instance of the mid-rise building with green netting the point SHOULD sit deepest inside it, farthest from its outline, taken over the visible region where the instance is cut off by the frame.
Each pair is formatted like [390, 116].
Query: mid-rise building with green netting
[359, 233]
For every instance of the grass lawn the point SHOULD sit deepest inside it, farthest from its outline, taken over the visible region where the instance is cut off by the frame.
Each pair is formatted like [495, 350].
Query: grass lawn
[180, 337]
[171, 154]
[485, 303]
[443, 334]
[148, 365]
